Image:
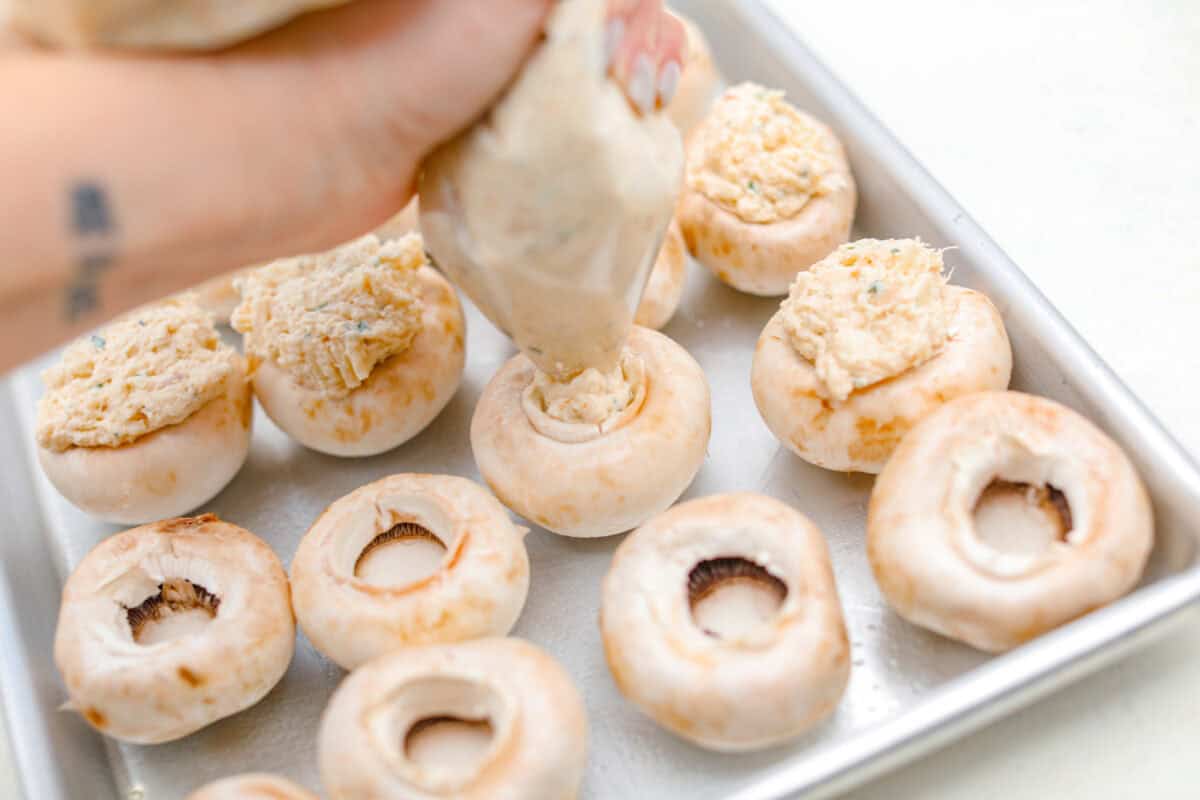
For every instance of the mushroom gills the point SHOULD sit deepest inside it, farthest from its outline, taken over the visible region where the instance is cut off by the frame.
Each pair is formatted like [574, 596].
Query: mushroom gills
[732, 596]
[180, 608]
[1020, 518]
[403, 554]
[447, 742]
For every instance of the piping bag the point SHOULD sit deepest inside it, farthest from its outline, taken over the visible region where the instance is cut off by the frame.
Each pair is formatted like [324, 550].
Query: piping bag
[549, 212]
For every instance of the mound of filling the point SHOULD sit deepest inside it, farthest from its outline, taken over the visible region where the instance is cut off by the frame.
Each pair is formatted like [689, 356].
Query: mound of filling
[148, 370]
[870, 310]
[760, 158]
[328, 319]
[591, 397]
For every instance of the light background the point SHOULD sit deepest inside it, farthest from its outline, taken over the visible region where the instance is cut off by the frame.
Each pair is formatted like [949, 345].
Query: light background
[1070, 130]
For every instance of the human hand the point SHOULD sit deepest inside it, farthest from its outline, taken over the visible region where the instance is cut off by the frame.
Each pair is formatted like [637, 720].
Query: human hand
[646, 49]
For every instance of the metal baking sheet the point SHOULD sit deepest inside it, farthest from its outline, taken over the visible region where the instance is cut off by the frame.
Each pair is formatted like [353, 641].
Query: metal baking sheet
[910, 690]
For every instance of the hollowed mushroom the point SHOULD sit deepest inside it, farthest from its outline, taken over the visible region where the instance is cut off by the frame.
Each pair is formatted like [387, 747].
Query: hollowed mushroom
[698, 82]
[254, 786]
[869, 341]
[169, 627]
[721, 621]
[602, 452]
[355, 351]
[1002, 516]
[475, 720]
[409, 559]
[664, 287]
[146, 419]
[768, 191]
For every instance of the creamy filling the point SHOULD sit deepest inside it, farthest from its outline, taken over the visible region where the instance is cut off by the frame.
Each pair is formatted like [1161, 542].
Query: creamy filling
[869, 311]
[592, 397]
[760, 158]
[328, 319]
[150, 369]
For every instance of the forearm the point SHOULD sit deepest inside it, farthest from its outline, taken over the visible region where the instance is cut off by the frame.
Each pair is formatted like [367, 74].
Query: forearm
[125, 181]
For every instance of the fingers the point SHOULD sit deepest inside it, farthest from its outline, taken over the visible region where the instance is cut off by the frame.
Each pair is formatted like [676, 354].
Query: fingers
[645, 47]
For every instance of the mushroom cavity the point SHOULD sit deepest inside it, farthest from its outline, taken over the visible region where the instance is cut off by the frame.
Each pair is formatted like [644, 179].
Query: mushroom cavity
[731, 596]
[403, 554]
[1021, 518]
[409, 559]
[179, 608]
[171, 626]
[1002, 516]
[721, 621]
[473, 720]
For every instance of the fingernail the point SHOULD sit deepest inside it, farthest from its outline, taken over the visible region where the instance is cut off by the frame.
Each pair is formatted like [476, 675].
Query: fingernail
[668, 81]
[614, 32]
[641, 84]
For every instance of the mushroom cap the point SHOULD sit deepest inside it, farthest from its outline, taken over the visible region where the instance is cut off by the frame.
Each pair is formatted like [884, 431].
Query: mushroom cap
[398, 400]
[252, 786]
[539, 724]
[407, 220]
[938, 573]
[182, 24]
[664, 287]
[763, 258]
[165, 473]
[150, 693]
[698, 83]
[479, 589]
[860, 434]
[612, 481]
[763, 687]
[218, 296]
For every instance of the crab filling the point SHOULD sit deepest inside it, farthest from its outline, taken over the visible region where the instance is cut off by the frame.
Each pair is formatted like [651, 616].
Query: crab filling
[403, 554]
[732, 596]
[447, 742]
[1021, 518]
[180, 608]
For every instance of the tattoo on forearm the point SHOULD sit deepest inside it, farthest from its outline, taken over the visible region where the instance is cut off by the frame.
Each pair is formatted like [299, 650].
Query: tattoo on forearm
[95, 232]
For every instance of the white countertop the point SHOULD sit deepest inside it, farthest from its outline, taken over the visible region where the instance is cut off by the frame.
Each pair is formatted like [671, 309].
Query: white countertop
[1068, 128]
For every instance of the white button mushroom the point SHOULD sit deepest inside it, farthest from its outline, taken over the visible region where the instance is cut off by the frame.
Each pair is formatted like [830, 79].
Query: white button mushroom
[870, 340]
[1002, 516]
[146, 419]
[169, 627]
[768, 191]
[721, 621]
[481, 720]
[255, 786]
[410, 559]
[406, 221]
[353, 352]
[602, 452]
[664, 287]
[697, 83]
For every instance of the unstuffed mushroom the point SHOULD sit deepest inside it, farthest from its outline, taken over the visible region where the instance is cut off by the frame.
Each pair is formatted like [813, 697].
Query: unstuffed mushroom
[493, 718]
[457, 568]
[171, 626]
[721, 621]
[1002, 516]
[869, 341]
[147, 418]
[601, 452]
[355, 351]
[768, 191]
[254, 786]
